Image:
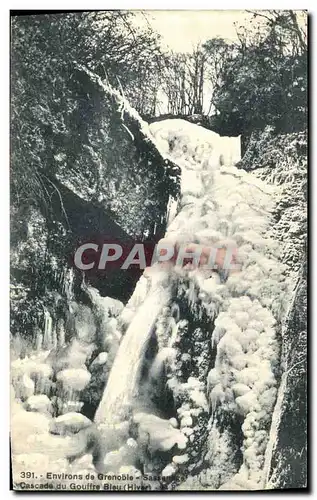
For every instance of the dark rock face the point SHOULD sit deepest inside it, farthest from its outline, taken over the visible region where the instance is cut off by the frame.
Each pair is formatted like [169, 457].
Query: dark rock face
[90, 222]
[115, 189]
[289, 460]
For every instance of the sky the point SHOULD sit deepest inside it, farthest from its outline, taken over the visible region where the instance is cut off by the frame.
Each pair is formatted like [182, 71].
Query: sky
[183, 29]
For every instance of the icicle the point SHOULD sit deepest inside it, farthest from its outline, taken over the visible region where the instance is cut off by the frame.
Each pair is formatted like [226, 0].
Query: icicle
[69, 277]
[61, 333]
[54, 337]
[47, 338]
[39, 341]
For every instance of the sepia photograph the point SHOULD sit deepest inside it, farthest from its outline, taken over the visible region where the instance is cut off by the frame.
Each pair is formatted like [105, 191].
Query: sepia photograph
[158, 250]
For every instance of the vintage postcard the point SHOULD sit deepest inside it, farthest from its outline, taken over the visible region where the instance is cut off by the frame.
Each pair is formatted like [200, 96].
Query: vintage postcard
[158, 250]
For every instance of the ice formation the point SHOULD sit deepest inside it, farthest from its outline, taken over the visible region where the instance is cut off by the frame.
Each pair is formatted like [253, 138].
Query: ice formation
[127, 364]
[220, 203]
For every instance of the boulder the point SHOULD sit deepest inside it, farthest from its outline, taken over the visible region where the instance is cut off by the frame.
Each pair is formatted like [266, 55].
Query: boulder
[75, 379]
[69, 423]
[39, 403]
[169, 470]
[157, 433]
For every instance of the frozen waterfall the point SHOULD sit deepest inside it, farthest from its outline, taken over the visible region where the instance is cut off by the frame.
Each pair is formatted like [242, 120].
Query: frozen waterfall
[217, 202]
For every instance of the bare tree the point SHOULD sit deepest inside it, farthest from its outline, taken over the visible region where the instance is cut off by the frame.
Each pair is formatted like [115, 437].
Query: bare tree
[184, 82]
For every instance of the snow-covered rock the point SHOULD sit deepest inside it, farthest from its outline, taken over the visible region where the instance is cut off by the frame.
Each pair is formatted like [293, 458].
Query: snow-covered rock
[75, 379]
[173, 422]
[158, 433]
[57, 447]
[240, 389]
[169, 470]
[69, 423]
[247, 403]
[180, 459]
[71, 356]
[41, 371]
[25, 424]
[40, 403]
[114, 306]
[113, 460]
[186, 421]
[24, 387]
[101, 359]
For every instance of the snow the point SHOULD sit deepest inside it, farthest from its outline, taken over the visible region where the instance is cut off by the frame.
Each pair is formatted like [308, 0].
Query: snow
[26, 387]
[180, 459]
[69, 422]
[75, 379]
[101, 359]
[108, 305]
[158, 433]
[169, 470]
[40, 403]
